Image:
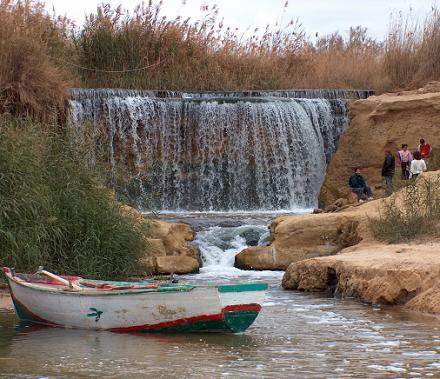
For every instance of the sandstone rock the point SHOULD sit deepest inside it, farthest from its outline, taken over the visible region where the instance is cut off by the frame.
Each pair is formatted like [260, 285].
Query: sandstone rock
[318, 211]
[156, 247]
[331, 208]
[174, 236]
[352, 198]
[295, 238]
[341, 202]
[375, 274]
[179, 264]
[167, 245]
[258, 258]
[380, 122]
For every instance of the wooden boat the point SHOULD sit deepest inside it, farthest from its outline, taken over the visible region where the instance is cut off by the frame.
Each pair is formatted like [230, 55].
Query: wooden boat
[74, 302]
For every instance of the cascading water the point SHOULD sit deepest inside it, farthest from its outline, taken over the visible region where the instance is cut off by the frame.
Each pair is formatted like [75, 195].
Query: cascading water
[216, 151]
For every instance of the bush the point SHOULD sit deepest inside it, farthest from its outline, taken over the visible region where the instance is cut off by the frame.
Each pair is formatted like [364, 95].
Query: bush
[53, 211]
[414, 212]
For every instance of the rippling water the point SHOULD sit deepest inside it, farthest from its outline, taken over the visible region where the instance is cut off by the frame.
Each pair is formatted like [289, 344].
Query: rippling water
[297, 335]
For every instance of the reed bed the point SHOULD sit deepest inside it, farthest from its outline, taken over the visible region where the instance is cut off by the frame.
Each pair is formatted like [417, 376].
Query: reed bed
[42, 55]
[54, 211]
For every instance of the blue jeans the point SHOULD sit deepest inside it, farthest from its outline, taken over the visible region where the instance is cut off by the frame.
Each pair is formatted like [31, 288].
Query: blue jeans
[361, 192]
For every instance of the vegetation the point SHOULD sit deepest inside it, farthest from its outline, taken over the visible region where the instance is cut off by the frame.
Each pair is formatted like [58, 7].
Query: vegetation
[53, 211]
[42, 55]
[415, 213]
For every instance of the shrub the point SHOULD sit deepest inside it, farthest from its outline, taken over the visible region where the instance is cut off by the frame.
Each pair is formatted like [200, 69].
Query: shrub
[413, 212]
[53, 211]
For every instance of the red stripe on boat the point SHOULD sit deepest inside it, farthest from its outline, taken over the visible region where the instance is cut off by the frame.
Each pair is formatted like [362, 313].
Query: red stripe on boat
[169, 324]
[189, 320]
[242, 308]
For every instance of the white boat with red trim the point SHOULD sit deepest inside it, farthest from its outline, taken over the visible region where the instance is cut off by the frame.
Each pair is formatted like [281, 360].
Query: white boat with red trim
[74, 302]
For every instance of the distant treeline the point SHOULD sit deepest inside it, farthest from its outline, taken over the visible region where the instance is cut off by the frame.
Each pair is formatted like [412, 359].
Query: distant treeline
[43, 55]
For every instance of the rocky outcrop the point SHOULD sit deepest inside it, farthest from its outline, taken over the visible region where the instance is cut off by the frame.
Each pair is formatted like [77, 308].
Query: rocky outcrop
[376, 273]
[299, 237]
[168, 250]
[379, 122]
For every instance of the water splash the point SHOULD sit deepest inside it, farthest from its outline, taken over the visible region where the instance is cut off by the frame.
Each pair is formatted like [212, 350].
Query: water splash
[216, 151]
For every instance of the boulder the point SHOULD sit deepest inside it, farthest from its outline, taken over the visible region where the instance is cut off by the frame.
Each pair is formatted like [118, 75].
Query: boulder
[258, 258]
[379, 122]
[177, 264]
[167, 245]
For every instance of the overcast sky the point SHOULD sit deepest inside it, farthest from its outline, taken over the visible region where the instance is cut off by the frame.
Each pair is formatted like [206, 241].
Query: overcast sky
[317, 16]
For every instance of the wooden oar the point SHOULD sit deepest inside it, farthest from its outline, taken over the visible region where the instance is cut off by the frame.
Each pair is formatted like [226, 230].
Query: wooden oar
[58, 279]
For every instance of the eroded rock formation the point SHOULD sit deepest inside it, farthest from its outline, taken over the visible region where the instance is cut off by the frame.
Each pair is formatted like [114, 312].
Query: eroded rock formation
[168, 250]
[380, 122]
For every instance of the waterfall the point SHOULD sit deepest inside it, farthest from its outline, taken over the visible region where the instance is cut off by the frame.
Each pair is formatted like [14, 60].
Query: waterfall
[253, 150]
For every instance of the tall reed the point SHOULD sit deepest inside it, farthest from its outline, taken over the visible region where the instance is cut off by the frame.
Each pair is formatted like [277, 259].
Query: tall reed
[53, 210]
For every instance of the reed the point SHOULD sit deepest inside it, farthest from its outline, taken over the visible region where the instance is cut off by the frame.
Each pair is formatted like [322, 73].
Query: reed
[53, 210]
[143, 49]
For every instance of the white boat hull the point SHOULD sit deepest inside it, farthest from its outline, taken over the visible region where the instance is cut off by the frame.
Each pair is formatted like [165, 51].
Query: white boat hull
[179, 308]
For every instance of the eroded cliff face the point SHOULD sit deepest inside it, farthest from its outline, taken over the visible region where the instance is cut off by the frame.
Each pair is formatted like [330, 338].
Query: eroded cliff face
[380, 122]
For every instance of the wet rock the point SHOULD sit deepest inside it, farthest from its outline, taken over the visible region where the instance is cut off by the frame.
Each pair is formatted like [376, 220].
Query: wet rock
[318, 211]
[258, 258]
[179, 264]
[251, 236]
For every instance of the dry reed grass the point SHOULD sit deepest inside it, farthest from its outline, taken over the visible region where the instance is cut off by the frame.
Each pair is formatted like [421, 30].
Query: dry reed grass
[41, 55]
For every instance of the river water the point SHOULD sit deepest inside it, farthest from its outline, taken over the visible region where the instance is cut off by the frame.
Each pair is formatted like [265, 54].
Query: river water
[297, 335]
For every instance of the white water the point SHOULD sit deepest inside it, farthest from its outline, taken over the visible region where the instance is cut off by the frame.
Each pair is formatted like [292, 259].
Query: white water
[214, 152]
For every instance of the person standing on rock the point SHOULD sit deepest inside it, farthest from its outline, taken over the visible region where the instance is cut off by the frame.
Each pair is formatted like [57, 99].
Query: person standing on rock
[359, 187]
[388, 169]
[418, 165]
[425, 150]
[405, 158]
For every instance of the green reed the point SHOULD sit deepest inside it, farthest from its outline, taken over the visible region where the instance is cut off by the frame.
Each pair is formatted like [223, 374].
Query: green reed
[53, 211]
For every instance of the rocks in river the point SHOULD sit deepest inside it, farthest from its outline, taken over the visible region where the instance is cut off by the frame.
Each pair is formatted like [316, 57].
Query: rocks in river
[168, 247]
[177, 264]
[258, 258]
[299, 237]
[376, 274]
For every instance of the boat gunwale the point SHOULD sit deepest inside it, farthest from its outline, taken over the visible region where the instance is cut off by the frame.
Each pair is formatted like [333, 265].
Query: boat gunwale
[221, 288]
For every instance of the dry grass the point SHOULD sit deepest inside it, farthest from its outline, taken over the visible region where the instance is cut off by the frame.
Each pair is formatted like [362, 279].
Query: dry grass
[40, 55]
[29, 82]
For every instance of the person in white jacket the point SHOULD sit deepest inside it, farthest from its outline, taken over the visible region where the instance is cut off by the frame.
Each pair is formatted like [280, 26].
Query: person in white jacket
[418, 165]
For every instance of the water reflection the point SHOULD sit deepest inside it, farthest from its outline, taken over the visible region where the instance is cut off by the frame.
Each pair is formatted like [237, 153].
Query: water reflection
[297, 335]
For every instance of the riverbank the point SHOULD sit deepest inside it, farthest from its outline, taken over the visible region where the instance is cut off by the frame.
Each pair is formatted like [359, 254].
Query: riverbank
[404, 274]
[5, 300]
[373, 271]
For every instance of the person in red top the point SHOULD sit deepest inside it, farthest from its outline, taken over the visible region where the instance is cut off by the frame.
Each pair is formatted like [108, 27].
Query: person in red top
[425, 150]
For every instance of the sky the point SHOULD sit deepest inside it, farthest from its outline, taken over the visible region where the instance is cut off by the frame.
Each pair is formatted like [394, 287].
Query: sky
[317, 16]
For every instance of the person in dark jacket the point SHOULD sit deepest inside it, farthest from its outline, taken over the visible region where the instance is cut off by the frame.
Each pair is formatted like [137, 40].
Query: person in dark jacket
[388, 170]
[359, 187]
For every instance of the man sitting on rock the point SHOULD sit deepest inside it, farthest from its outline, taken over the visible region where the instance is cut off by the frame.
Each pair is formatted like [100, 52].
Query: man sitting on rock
[359, 187]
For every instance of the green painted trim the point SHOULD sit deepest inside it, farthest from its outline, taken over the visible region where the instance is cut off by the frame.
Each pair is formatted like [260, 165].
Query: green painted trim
[239, 321]
[235, 322]
[243, 287]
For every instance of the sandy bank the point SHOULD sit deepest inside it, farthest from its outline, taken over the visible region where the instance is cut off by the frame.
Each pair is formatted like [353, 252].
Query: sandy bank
[5, 300]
